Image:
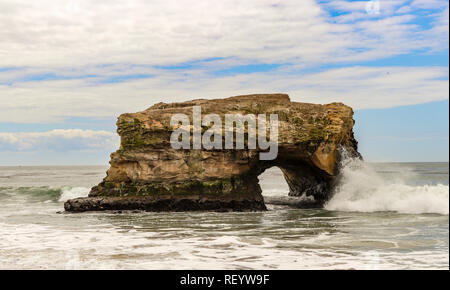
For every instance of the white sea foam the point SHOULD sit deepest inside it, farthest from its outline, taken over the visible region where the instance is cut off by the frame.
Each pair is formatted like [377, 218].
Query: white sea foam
[34, 235]
[73, 192]
[363, 190]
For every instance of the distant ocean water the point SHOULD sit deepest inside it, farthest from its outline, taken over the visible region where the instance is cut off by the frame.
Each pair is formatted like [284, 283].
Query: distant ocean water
[383, 216]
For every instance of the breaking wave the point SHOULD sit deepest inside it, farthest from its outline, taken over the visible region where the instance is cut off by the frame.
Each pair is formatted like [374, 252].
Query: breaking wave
[362, 189]
[44, 193]
[74, 192]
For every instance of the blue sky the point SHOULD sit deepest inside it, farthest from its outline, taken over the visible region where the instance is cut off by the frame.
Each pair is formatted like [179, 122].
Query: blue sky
[406, 133]
[69, 69]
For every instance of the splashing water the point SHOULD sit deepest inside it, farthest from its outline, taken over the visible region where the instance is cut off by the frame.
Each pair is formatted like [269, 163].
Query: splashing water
[362, 189]
[74, 192]
[36, 234]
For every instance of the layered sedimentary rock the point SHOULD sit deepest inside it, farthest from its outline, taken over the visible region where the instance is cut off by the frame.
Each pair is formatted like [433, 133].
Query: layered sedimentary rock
[146, 173]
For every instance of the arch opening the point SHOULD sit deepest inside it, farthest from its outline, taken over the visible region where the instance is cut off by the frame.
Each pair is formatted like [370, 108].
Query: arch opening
[273, 183]
[298, 185]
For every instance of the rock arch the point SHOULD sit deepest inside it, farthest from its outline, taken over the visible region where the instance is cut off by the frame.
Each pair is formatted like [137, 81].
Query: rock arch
[146, 173]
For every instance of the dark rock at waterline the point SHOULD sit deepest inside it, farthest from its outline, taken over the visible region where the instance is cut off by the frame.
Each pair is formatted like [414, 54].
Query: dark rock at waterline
[147, 203]
[297, 202]
[146, 173]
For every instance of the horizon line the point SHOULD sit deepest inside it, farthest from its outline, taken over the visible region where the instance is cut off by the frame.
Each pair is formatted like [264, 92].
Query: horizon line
[80, 165]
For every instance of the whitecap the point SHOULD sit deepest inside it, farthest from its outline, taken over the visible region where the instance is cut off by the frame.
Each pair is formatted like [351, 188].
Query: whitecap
[73, 192]
[362, 189]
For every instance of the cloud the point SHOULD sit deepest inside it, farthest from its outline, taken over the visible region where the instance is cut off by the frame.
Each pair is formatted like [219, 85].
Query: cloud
[430, 4]
[61, 59]
[59, 140]
[54, 33]
[51, 33]
[357, 86]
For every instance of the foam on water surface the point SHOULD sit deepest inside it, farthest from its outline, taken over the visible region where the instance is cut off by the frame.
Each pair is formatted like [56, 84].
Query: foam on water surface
[354, 235]
[362, 189]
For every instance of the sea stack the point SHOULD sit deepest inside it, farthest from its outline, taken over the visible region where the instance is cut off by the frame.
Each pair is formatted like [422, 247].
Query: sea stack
[147, 173]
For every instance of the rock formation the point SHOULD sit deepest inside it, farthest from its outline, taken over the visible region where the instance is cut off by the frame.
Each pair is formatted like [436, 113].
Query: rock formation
[146, 173]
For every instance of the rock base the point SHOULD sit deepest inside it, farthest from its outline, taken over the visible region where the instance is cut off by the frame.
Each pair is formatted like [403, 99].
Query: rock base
[297, 202]
[84, 204]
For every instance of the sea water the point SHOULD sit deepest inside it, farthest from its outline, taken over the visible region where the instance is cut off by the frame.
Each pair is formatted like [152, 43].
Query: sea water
[382, 216]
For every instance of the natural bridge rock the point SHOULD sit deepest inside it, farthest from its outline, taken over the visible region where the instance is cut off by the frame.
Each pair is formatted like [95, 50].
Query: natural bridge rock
[146, 173]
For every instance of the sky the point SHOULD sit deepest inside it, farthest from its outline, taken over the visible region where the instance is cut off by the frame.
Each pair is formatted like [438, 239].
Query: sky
[69, 68]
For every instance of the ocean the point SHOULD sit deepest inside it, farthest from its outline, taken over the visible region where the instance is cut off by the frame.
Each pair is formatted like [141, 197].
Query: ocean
[382, 216]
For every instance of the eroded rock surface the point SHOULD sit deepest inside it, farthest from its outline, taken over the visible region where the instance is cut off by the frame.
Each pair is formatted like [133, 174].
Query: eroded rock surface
[146, 173]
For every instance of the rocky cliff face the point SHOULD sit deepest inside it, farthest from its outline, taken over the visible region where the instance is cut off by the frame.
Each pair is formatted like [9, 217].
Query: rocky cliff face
[146, 173]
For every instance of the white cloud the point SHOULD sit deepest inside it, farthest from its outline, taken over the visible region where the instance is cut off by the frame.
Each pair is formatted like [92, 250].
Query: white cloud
[89, 32]
[59, 140]
[75, 39]
[359, 87]
[404, 9]
[377, 87]
[430, 4]
[72, 33]
[387, 7]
